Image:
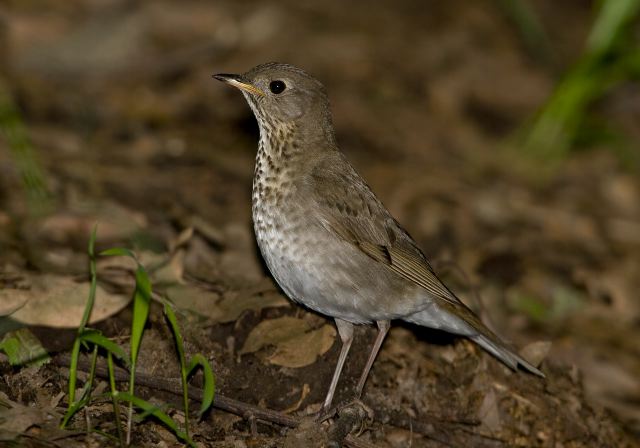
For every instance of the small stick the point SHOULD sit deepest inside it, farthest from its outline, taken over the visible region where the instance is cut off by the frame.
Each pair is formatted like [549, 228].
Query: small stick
[242, 409]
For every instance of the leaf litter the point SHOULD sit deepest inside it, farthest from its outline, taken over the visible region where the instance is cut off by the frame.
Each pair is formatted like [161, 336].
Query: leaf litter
[156, 148]
[226, 308]
[295, 343]
[59, 301]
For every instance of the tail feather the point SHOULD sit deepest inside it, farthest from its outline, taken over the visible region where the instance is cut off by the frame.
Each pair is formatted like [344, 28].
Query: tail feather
[504, 354]
[458, 319]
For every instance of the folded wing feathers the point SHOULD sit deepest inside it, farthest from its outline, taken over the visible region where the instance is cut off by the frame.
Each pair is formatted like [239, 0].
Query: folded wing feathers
[418, 271]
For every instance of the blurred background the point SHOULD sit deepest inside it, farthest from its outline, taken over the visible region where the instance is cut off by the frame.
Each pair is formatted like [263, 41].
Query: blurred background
[503, 134]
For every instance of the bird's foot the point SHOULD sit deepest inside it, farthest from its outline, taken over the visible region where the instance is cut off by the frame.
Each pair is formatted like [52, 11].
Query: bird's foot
[358, 411]
[326, 413]
[353, 418]
[356, 404]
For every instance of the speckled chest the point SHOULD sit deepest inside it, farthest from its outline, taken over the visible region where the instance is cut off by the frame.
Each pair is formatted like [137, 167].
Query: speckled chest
[278, 218]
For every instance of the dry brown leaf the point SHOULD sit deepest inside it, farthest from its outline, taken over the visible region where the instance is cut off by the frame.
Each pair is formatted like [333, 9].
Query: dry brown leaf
[172, 270]
[181, 240]
[295, 406]
[296, 345]
[16, 418]
[225, 309]
[191, 298]
[10, 304]
[238, 261]
[201, 260]
[59, 302]
[232, 304]
[163, 268]
[207, 230]
[272, 332]
[115, 223]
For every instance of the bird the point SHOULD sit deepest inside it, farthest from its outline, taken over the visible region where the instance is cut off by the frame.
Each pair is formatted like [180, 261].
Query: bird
[328, 241]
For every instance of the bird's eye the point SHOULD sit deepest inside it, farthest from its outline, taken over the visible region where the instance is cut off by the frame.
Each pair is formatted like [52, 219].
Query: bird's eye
[277, 87]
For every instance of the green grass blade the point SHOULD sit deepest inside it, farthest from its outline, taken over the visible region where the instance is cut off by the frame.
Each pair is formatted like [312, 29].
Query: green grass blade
[95, 337]
[141, 299]
[94, 281]
[118, 252]
[75, 351]
[156, 412]
[613, 17]
[177, 336]
[175, 328]
[92, 377]
[151, 410]
[209, 388]
[71, 411]
[114, 400]
[75, 406]
[556, 126]
[73, 375]
[609, 58]
[529, 26]
[141, 302]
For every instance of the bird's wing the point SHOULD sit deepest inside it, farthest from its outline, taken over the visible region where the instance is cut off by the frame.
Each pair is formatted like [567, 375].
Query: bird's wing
[346, 206]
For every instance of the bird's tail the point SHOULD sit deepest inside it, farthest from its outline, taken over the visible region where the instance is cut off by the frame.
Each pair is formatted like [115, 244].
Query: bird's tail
[458, 319]
[503, 353]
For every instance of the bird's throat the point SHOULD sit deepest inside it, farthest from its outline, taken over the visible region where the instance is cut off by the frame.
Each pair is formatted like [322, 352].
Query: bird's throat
[279, 152]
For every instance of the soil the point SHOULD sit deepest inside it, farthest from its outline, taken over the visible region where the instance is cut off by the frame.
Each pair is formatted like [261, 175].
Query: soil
[130, 131]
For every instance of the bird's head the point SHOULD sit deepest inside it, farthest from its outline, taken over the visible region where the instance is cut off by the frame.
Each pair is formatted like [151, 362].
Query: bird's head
[283, 94]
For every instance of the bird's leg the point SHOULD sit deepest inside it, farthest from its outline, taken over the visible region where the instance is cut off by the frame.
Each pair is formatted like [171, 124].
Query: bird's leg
[345, 330]
[383, 328]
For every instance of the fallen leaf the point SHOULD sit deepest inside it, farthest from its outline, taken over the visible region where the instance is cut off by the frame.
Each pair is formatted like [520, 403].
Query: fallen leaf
[23, 348]
[226, 308]
[296, 344]
[115, 223]
[181, 240]
[295, 406]
[16, 418]
[163, 268]
[59, 301]
[11, 304]
[207, 230]
[201, 260]
[171, 271]
[238, 261]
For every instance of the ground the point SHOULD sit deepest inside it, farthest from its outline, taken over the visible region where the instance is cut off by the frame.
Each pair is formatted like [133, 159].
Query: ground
[132, 132]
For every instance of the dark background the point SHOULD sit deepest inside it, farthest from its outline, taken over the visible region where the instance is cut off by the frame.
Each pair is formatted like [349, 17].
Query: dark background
[503, 135]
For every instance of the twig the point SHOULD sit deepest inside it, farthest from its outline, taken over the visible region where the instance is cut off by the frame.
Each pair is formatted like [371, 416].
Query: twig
[245, 409]
[195, 393]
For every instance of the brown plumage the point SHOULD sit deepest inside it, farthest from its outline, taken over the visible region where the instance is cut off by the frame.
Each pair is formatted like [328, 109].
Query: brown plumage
[326, 238]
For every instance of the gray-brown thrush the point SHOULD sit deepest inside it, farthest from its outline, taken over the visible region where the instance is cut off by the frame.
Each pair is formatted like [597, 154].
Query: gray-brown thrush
[327, 239]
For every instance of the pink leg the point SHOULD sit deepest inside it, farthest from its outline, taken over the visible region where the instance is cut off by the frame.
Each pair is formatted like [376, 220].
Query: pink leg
[345, 330]
[383, 328]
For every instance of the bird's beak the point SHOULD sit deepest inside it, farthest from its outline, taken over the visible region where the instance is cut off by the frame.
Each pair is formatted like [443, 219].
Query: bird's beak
[239, 82]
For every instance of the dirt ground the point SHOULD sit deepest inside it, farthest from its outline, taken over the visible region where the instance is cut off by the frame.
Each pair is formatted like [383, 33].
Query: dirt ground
[131, 132]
